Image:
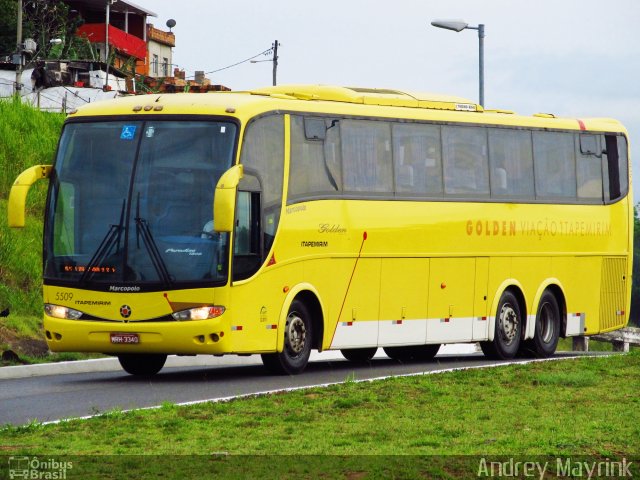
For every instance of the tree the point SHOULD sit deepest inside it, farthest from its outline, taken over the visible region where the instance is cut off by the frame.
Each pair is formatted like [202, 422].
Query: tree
[43, 20]
[8, 22]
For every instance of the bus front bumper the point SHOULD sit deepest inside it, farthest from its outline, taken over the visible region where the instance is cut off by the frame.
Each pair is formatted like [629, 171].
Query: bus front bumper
[180, 338]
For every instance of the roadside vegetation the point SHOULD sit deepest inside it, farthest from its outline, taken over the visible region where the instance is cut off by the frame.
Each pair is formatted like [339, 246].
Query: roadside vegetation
[555, 408]
[29, 137]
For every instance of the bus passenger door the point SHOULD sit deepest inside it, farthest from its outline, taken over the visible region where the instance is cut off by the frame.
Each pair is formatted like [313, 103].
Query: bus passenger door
[451, 300]
[254, 317]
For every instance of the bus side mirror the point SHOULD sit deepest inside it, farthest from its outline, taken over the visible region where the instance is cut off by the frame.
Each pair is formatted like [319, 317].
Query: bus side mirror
[224, 201]
[19, 190]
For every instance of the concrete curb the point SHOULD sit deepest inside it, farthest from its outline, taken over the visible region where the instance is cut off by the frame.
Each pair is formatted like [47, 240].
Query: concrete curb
[112, 364]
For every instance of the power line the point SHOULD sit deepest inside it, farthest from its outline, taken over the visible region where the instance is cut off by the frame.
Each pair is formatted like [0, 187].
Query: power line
[266, 52]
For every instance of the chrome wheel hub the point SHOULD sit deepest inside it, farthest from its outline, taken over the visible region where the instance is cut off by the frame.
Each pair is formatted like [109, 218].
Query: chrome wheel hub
[508, 323]
[296, 333]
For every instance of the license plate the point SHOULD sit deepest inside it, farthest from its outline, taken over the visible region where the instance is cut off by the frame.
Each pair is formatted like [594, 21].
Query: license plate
[127, 338]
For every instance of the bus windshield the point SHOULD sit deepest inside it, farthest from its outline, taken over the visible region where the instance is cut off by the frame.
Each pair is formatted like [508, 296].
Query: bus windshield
[131, 205]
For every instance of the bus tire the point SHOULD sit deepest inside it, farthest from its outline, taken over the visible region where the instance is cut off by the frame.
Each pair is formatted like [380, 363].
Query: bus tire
[508, 329]
[547, 332]
[142, 364]
[298, 338]
[359, 355]
[412, 352]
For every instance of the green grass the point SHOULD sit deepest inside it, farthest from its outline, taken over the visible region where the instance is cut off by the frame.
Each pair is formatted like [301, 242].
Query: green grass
[546, 408]
[566, 345]
[29, 137]
[21, 267]
[539, 410]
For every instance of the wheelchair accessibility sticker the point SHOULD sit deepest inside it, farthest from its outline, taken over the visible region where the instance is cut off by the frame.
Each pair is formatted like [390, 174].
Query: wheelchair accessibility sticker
[128, 132]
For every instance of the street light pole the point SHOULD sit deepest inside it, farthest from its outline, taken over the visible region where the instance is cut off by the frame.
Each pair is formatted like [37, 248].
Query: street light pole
[458, 26]
[481, 61]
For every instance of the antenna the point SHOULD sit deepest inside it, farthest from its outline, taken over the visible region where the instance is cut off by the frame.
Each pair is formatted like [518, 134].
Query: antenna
[171, 23]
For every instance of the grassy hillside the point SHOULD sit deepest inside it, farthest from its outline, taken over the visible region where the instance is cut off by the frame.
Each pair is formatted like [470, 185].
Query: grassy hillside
[29, 137]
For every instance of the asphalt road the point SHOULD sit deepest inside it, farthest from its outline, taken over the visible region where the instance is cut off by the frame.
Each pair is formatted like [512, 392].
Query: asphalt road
[54, 397]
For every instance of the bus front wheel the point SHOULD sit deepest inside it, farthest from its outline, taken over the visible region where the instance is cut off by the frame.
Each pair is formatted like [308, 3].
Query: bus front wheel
[297, 343]
[142, 364]
[508, 329]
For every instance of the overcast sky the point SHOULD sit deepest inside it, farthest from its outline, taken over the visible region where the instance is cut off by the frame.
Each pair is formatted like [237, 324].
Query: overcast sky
[578, 58]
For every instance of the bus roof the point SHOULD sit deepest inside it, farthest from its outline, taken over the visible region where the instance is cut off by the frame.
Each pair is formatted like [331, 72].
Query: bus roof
[326, 99]
[371, 96]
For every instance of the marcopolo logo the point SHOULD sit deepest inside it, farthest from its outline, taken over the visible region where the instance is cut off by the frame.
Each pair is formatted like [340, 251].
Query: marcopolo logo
[115, 288]
[38, 468]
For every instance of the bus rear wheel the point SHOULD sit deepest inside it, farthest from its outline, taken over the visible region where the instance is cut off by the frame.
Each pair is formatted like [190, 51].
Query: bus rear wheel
[412, 352]
[508, 329]
[297, 343]
[545, 339]
[142, 364]
[359, 355]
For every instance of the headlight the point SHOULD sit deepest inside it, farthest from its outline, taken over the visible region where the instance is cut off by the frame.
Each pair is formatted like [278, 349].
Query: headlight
[200, 313]
[57, 311]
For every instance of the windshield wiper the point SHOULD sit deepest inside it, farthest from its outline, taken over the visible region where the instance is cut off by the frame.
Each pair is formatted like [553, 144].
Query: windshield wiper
[113, 236]
[142, 229]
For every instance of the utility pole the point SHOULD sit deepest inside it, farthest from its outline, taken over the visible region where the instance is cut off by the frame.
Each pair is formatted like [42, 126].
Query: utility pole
[19, 55]
[275, 61]
[481, 62]
[106, 44]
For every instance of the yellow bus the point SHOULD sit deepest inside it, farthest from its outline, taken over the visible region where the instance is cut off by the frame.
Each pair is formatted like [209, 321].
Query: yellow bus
[294, 218]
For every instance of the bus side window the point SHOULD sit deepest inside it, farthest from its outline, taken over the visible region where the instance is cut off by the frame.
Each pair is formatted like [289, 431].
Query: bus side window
[310, 173]
[246, 246]
[417, 159]
[623, 165]
[366, 156]
[616, 150]
[555, 165]
[263, 155]
[589, 168]
[466, 163]
[511, 161]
